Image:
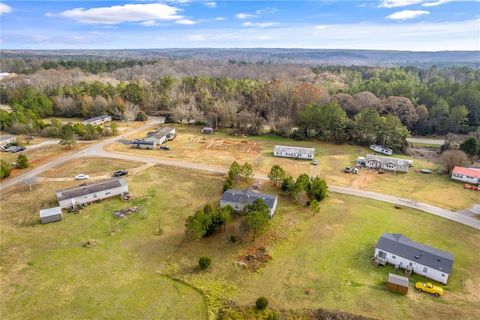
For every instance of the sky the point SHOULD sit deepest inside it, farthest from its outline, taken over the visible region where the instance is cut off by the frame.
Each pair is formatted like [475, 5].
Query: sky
[415, 25]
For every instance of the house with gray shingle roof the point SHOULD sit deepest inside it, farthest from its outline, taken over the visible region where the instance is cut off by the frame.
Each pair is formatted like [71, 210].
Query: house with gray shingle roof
[238, 199]
[373, 161]
[407, 254]
[161, 135]
[88, 193]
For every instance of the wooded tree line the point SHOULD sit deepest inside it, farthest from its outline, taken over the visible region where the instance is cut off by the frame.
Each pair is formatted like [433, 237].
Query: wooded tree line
[424, 101]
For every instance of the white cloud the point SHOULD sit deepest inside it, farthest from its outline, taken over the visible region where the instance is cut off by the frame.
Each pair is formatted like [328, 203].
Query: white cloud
[4, 8]
[259, 24]
[398, 3]
[125, 13]
[321, 27]
[219, 18]
[266, 10]
[149, 23]
[407, 14]
[243, 16]
[211, 4]
[186, 21]
[436, 3]
[196, 37]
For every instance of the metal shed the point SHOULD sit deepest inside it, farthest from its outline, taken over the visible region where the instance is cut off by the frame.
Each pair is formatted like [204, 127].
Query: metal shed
[51, 215]
[397, 283]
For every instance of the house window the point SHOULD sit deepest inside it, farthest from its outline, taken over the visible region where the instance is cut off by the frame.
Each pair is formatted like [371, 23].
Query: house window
[425, 269]
[107, 193]
[382, 254]
[394, 257]
[443, 274]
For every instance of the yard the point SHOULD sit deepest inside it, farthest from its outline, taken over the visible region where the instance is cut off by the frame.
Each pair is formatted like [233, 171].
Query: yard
[143, 267]
[223, 149]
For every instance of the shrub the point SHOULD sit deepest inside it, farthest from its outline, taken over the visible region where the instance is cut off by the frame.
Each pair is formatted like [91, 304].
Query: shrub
[233, 239]
[261, 303]
[204, 262]
[22, 161]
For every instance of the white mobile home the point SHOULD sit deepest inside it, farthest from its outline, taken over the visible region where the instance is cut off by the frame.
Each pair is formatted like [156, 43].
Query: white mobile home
[386, 163]
[6, 139]
[238, 199]
[294, 152]
[407, 254]
[88, 193]
[471, 175]
[142, 144]
[161, 135]
[51, 215]
[381, 149]
[98, 120]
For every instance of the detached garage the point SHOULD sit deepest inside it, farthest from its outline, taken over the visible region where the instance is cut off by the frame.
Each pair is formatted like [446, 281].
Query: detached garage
[51, 215]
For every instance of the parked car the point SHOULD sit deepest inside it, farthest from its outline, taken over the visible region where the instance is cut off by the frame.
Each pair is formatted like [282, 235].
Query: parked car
[164, 147]
[429, 288]
[351, 170]
[82, 176]
[18, 149]
[120, 173]
[315, 162]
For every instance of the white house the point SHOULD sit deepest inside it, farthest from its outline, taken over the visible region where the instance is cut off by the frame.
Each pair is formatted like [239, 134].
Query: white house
[51, 215]
[471, 175]
[88, 193]
[6, 139]
[238, 199]
[407, 254]
[207, 130]
[386, 163]
[381, 149]
[161, 135]
[142, 144]
[294, 152]
[98, 120]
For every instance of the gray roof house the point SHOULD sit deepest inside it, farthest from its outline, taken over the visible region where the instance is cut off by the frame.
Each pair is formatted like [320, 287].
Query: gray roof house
[294, 152]
[6, 139]
[142, 144]
[51, 215]
[161, 135]
[207, 130]
[373, 161]
[98, 120]
[238, 199]
[405, 253]
[88, 193]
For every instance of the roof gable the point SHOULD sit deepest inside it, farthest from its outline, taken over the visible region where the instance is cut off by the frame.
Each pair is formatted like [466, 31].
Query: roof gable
[402, 246]
[247, 197]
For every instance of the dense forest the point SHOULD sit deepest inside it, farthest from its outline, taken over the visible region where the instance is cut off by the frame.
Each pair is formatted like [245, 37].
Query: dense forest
[334, 103]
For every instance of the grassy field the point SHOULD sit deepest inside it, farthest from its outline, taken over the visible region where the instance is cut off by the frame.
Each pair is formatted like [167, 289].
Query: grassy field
[91, 167]
[40, 155]
[143, 267]
[222, 149]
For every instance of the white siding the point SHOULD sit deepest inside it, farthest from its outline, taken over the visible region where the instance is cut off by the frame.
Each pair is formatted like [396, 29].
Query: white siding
[465, 178]
[93, 197]
[418, 268]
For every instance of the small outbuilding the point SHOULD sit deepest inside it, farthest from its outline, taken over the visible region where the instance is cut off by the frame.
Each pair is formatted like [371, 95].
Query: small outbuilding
[397, 283]
[51, 215]
[6, 139]
[98, 120]
[207, 130]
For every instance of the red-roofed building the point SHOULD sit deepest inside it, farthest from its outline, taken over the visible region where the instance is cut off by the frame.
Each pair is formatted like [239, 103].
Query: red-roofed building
[471, 175]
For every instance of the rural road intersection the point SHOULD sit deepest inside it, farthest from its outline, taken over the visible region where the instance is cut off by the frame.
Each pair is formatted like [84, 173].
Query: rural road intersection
[97, 150]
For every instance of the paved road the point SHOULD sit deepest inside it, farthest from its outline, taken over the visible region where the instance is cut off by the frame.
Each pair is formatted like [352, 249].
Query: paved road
[444, 213]
[97, 150]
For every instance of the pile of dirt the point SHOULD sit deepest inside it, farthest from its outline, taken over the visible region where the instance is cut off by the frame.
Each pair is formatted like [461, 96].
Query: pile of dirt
[254, 259]
[123, 213]
[90, 243]
[233, 146]
[126, 196]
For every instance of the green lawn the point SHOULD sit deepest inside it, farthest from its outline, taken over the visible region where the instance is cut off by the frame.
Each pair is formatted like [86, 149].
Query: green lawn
[143, 267]
[222, 149]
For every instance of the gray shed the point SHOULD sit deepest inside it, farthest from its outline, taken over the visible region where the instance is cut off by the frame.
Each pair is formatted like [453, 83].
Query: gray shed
[51, 215]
